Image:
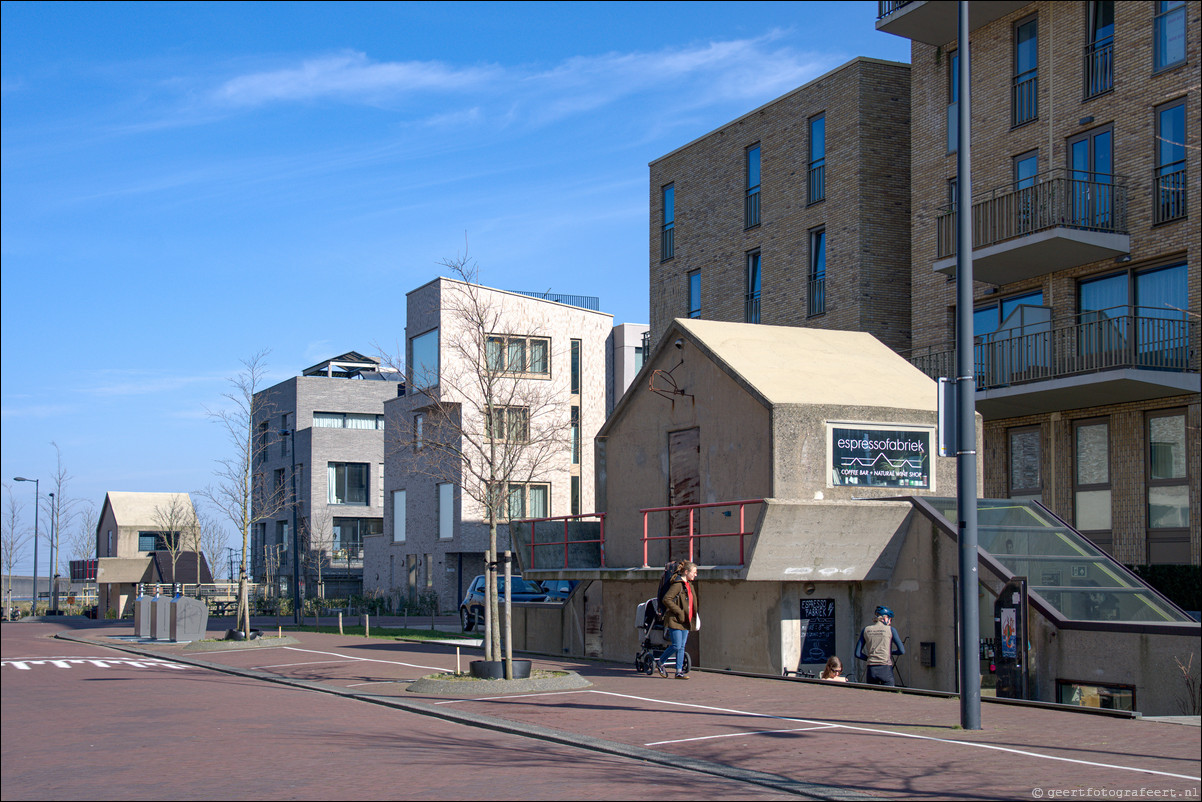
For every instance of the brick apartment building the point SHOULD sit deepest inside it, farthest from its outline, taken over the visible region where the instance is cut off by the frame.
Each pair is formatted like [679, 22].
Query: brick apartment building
[334, 412]
[1085, 142]
[797, 213]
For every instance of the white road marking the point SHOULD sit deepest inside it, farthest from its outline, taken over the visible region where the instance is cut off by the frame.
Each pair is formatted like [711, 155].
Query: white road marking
[26, 664]
[309, 663]
[367, 659]
[738, 735]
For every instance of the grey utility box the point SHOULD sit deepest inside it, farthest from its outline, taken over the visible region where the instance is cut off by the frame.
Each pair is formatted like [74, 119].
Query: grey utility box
[189, 619]
[160, 618]
[143, 614]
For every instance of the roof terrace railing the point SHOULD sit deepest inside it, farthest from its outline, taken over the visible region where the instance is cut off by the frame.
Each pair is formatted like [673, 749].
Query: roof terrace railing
[590, 302]
[693, 535]
[566, 542]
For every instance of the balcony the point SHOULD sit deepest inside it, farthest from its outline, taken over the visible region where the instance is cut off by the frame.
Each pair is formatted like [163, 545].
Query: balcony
[1057, 220]
[934, 22]
[1113, 356]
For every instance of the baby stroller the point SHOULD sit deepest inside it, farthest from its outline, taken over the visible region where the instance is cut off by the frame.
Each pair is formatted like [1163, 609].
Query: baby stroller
[649, 621]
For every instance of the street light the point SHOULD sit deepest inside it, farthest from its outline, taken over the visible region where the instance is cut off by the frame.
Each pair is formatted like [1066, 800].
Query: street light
[53, 576]
[33, 604]
[296, 597]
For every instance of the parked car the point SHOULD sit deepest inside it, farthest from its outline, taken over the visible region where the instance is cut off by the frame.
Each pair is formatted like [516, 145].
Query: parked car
[559, 589]
[471, 609]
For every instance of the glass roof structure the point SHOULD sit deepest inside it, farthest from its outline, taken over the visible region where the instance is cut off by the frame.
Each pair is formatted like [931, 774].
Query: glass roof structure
[1066, 570]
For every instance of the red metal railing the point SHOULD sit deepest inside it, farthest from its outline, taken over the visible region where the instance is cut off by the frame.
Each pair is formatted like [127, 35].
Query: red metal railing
[692, 534]
[600, 540]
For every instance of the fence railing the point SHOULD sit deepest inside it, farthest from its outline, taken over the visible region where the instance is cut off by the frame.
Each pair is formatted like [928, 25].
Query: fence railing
[751, 309]
[1089, 201]
[817, 296]
[583, 301]
[667, 242]
[1024, 105]
[1099, 68]
[1169, 188]
[692, 535]
[1097, 341]
[751, 209]
[886, 7]
[565, 543]
[817, 182]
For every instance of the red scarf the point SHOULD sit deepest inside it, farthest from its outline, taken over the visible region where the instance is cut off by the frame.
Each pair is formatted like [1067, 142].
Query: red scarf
[689, 589]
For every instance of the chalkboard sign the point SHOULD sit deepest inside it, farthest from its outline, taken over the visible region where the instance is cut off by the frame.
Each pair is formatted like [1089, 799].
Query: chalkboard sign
[817, 630]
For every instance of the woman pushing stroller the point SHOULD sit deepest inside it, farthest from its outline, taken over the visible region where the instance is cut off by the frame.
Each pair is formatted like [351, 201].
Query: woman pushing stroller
[679, 605]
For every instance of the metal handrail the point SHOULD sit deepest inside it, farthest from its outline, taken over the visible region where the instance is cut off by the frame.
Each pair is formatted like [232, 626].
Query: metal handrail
[566, 540]
[692, 536]
[886, 7]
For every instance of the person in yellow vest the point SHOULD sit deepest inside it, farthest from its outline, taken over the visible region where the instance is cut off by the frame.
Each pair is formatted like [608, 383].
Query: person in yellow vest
[878, 644]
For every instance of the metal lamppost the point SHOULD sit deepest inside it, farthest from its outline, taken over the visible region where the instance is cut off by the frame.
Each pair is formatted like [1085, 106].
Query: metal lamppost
[33, 605]
[52, 604]
[296, 597]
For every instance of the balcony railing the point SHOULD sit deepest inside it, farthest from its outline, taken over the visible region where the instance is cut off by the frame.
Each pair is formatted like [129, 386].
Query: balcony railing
[583, 301]
[751, 209]
[692, 536]
[1024, 98]
[1099, 68]
[1088, 201]
[582, 542]
[667, 242]
[817, 182]
[751, 309]
[817, 300]
[1111, 339]
[886, 7]
[1170, 192]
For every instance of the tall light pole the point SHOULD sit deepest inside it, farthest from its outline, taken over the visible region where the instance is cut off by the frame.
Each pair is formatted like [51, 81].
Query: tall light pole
[296, 597]
[37, 501]
[52, 604]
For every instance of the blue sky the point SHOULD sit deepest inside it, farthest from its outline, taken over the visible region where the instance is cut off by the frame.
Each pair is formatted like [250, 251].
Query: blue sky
[185, 184]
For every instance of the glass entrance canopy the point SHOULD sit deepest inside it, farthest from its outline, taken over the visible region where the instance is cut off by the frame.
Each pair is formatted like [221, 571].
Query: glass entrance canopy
[1061, 566]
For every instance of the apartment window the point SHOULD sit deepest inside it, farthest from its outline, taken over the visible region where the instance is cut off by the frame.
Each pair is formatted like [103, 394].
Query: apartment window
[953, 101]
[695, 294]
[1025, 451]
[575, 347]
[519, 355]
[446, 510]
[509, 424]
[817, 288]
[1004, 316]
[1091, 178]
[667, 229]
[817, 172]
[528, 500]
[429, 571]
[575, 495]
[751, 306]
[398, 516]
[640, 357]
[346, 483]
[261, 442]
[1169, 182]
[347, 420]
[284, 433]
[575, 435]
[419, 431]
[1099, 53]
[1025, 84]
[1136, 316]
[1168, 488]
[423, 360]
[1026, 199]
[157, 541]
[1091, 479]
[1169, 26]
[349, 534]
[751, 204]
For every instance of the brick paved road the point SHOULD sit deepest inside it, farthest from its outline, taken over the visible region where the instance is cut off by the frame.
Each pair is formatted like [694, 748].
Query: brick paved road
[823, 737]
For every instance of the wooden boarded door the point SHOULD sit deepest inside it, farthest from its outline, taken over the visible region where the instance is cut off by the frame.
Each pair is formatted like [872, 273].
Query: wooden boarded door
[684, 487]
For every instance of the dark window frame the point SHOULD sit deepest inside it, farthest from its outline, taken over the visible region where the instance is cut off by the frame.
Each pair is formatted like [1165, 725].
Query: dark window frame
[816, 172]
[1024, 90]
[816, 284]
[753, 285]
[667, 230]
[694, 299]
[1161, 17]
[1170, 187]
[1105, 535]
[753, 184]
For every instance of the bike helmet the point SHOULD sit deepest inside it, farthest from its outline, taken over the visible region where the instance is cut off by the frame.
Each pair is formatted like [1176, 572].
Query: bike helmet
[883, 610]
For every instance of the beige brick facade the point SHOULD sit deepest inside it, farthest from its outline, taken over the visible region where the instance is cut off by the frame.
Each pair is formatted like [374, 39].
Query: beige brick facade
[865, 212]
[1129, 111]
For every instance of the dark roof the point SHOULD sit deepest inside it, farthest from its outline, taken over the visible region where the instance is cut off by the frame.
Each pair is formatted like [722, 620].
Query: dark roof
[185, 568]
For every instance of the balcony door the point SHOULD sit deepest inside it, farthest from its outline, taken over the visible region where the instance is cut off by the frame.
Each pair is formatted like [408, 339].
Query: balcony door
[1091, 179]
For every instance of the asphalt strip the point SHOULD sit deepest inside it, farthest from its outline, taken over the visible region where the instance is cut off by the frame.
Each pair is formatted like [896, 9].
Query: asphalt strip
[798, 788]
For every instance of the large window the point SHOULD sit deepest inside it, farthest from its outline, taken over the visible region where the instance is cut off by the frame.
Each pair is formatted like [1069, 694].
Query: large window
[1025, 452]
[1091, 480]
[423, 360]
[519, 355]
[1099, 52]
[509, 424]
[347, 483]
[1137, 316]
[157, 541]
[1169, 49]
[751, 306]
[528, 501]
[1170, 183]
[446, 511]
[667, 230]
[1025, 84]
[398, 516]
[347, 420]
[751, 204]
[349, 534]
[575, 347]
[1091, 177]
[817, 286]
[1168, 488]
[817, 171]
[695, 294]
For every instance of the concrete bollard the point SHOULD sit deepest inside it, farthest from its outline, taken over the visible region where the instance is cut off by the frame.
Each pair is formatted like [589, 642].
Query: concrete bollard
[366, 625]
[339, 622]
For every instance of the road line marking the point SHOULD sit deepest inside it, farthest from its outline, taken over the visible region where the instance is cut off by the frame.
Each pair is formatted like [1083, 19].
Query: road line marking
[309, 663]
[509, 697]
[367, 659]
[380, 682]
[97, 662]
[905, 735]
[739, 735]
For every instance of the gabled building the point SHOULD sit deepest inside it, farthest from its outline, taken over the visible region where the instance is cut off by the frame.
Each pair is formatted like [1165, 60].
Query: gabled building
[1086, 251]
[325, 429]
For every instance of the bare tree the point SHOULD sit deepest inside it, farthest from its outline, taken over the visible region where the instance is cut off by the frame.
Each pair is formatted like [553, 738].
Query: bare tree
[60, 509]
[319, 544]
[14, 540]
[239, 493]
[180, 530]
[213, 540]
[490, 427]
[81, 539]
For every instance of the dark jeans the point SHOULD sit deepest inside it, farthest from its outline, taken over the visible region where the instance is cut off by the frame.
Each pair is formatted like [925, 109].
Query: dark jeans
[677, 639]
[880, 675]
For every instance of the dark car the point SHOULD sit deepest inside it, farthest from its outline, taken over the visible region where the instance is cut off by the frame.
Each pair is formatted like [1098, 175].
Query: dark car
[559, 589]
[471, 609]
